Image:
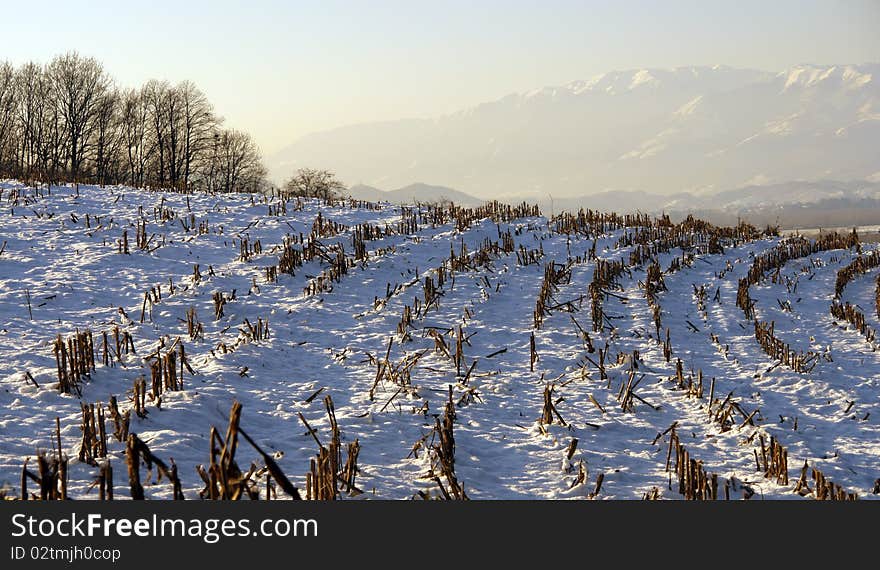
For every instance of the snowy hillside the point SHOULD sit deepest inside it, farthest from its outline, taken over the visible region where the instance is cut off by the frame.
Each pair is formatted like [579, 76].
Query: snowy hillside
[659, 131]
[490, 353]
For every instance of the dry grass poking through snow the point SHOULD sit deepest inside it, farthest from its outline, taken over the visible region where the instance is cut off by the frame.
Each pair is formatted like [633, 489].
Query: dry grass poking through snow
[193, 346]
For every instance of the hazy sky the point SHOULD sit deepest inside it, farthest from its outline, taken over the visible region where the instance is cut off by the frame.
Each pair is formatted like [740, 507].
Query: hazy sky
[281, 69]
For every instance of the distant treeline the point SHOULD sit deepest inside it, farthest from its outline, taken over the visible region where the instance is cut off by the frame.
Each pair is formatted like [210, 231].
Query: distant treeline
[828, 213]
[67, 120]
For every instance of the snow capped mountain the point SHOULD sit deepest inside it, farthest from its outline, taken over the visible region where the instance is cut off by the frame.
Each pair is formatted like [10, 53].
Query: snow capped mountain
[810, 76]
[688, 129]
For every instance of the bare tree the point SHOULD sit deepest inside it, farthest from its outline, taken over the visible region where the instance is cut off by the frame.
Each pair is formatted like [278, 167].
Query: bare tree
[166, 107]
[136, 144]
[66, 119]
[54, 141]
[7, 109]
[235, 164]
[174, 140]
[199, 122]
[312, 183]
[79, 83]
[30, 85]
[107, 137]
[155, 98]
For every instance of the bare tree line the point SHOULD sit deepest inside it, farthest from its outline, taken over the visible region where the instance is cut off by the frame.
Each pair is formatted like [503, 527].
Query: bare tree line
[314, 183]
[68, 120]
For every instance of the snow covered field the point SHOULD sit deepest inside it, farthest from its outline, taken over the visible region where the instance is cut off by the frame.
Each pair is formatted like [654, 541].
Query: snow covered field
[61, 271]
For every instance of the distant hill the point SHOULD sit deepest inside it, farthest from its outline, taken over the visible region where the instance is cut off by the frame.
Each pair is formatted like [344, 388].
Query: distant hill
[790, 204]
[417, 192]
[364, 192]
[826, 203]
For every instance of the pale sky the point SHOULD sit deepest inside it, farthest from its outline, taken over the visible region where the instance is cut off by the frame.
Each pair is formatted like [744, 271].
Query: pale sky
[281, 69]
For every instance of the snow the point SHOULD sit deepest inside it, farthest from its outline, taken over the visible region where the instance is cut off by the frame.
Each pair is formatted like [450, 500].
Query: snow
[76, 279]
[855, 78]
[643, 77]
[689, 108]
[812, 76]
[651, 147]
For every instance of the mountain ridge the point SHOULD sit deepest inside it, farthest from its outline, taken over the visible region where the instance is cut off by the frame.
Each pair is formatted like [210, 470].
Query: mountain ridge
[655, 130]
[415, 192]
